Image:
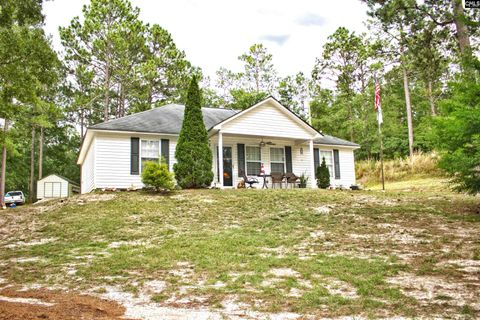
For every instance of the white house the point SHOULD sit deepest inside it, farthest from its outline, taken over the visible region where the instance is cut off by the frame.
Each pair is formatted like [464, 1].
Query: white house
[55, 186]
[113, 152]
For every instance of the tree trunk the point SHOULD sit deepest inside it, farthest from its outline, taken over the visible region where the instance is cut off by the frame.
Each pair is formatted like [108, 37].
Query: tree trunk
[431, 99]
[461, 27]
[4, 166]
[40, 155]
[82, 122]
[32, 167]
[107, 91]
[409, 111]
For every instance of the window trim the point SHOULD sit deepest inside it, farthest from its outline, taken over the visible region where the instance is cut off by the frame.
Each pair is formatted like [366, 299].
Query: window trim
[141, 153]
[284, 162]
[332, 173]
[246, 161]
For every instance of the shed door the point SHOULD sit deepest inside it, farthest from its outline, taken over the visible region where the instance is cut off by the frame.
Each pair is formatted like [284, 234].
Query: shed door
[52, 189]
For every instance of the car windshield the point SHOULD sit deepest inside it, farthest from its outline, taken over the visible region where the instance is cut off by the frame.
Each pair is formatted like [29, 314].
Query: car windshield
[14, 193]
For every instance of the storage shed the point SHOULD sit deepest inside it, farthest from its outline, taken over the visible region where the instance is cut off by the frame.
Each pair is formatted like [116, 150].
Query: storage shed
[55, 186]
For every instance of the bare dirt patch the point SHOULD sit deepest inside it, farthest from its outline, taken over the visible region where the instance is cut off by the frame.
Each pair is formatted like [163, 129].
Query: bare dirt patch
[437, 290]
[55, 305]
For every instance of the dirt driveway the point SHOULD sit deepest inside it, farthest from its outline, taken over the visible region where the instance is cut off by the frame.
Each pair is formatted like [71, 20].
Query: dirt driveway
[45, 304]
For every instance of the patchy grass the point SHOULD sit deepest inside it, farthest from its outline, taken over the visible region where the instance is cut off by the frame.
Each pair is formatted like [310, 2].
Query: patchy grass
[310, 252]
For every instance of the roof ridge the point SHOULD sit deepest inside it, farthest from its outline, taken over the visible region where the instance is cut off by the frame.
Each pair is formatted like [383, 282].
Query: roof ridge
[136, 113]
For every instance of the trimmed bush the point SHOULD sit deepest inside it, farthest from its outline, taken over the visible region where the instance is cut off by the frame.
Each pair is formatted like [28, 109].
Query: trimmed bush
[323, 175]
[156, 175]
[194, 157]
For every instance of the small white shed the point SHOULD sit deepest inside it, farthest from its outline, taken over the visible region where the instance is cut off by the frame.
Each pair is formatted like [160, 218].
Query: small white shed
[55, 186]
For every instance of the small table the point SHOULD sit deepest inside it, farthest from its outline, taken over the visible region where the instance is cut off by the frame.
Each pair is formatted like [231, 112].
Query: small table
[265, 176]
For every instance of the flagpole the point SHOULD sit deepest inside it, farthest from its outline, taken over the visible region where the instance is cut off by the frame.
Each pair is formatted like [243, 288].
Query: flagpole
[378, 107]
[381, 154]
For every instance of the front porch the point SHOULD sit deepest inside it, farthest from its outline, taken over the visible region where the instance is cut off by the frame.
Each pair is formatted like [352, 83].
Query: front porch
[249, 152]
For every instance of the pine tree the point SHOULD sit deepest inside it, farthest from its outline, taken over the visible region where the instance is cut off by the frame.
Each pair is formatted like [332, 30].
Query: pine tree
[194, 157]
[323, 175]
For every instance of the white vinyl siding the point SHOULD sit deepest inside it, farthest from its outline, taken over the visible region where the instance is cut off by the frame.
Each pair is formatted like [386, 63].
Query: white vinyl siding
[347, 165]
[267, 121]
[88, 170]
[277, 159]
[112, 159]
[253, 160]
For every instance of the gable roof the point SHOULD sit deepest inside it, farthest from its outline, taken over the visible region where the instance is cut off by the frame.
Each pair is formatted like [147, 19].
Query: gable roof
[167, 119]
[281, 107]
[331, 140]
[61, 177]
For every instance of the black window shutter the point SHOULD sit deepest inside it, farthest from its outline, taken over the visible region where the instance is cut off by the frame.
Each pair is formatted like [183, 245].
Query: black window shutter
[288, 158]
[316, 158]
[134, 155]
[165, 150]
[336, 162]
[241, 159]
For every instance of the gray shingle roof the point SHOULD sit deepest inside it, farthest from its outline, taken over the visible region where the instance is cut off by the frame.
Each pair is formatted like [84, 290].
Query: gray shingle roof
[168, 119]
[326, 139]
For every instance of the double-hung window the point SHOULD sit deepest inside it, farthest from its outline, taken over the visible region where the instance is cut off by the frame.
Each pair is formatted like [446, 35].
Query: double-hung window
[252, 155]
[150, 151]
[328, 155]
[277, 160]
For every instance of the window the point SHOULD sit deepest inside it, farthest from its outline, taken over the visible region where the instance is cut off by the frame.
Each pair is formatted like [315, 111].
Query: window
[277, 160]
[252, 155]
[150, 151]
[328, 160]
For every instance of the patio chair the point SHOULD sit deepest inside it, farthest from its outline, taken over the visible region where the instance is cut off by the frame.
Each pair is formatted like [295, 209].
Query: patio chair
[292, 179]
[277, 177]
[249, 181]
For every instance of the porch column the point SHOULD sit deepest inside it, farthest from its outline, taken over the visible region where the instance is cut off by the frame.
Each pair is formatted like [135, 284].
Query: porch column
[220, 158]
[312, 166]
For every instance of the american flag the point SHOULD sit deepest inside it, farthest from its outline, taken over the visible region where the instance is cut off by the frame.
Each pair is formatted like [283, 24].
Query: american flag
[378, 105]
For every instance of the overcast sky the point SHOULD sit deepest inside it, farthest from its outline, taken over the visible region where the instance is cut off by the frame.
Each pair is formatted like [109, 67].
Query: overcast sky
[213, 33]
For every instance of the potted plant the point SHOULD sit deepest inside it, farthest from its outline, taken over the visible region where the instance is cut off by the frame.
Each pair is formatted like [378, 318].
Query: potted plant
[303, 181]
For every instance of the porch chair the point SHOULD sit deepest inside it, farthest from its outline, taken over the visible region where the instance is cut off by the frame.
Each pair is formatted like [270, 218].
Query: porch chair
[277, 177]
[249, 181]
[292, 179]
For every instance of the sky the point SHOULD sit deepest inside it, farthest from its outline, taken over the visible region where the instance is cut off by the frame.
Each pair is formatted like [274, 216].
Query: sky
[213, 33]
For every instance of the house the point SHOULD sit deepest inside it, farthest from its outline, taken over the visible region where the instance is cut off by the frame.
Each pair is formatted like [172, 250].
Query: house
[55, 186]
[113, 152]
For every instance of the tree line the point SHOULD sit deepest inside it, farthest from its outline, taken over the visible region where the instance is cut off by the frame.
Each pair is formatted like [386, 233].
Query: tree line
[424, 55]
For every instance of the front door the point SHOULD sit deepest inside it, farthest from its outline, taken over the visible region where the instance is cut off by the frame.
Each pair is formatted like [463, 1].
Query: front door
[227, 167]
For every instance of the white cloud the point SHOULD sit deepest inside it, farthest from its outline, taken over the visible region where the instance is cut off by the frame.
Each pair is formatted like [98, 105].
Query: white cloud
[213, 33]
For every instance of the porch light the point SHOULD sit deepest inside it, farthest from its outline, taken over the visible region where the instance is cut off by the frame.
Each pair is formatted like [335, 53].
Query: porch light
[301, 150]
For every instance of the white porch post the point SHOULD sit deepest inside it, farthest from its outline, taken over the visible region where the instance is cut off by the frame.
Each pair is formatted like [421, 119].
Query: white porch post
[220, 158]
[312, 165]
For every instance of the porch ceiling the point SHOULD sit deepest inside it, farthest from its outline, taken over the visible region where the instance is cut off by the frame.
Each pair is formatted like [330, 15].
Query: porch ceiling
[214, 135]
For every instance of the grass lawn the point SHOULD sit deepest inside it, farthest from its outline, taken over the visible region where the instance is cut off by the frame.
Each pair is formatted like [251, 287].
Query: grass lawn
[291, 252]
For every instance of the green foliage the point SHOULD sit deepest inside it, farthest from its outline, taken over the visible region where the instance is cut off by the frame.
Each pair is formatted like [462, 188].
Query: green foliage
[121, 65]
[457, 133]
[194, 156]
[323, 175]
[243, 99]
[157, 176]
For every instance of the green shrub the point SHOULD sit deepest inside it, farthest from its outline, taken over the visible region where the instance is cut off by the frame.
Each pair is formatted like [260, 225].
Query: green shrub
[194, 157]
[323, 175]
[156, 175]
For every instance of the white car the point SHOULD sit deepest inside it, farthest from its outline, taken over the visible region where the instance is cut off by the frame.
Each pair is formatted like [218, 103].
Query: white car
[16, 197]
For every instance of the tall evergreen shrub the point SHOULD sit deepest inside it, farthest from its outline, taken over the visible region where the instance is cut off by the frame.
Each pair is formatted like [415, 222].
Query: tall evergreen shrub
[194, 157]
